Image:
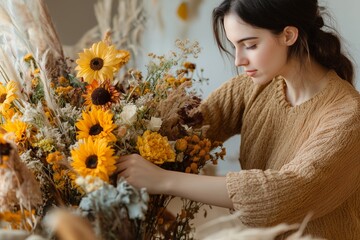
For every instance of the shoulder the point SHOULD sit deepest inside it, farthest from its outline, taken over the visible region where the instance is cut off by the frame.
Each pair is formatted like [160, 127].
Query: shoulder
[343, 94]
[342, 102]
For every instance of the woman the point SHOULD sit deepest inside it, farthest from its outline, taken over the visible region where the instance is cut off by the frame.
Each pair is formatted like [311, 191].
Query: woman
[298, 116]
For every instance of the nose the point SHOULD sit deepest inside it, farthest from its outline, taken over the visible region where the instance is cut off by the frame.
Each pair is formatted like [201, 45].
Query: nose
[240, 59]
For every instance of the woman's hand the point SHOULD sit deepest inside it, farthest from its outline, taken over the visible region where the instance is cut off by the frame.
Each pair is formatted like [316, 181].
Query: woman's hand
[140, 173]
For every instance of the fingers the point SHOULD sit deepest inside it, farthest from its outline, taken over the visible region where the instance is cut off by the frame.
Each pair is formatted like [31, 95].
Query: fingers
[126, 157]
[123, 163]
[120, 167]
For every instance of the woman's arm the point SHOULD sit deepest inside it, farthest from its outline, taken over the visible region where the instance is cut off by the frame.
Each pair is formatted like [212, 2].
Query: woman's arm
[322, 175]
[225, 107]
[141, 173]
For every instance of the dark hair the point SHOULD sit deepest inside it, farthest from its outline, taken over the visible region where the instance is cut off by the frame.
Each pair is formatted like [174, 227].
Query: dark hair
[275, 15]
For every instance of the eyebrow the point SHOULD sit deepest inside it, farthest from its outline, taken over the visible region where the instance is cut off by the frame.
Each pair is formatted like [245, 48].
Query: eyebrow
[245, 39]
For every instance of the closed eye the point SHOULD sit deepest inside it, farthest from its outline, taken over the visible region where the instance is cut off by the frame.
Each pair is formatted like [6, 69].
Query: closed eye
[252, 47]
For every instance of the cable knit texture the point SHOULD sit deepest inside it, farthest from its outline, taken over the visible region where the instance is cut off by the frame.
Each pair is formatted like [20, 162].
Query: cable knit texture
[294, 159]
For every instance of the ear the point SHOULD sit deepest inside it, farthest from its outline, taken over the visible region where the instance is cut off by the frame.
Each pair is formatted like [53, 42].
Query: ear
[290, 35]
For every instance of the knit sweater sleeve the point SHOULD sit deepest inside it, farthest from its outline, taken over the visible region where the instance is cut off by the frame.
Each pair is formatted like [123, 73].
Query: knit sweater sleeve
[322, 175]
[224, 108]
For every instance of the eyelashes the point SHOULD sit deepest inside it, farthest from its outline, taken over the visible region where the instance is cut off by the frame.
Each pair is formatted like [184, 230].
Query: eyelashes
[252, 47]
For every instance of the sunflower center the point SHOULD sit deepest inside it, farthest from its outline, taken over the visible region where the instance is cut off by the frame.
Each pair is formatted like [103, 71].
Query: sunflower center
[91, 161]
[5, 149]
[95, 130]
[96, 63]
[100, 96]
[2, 98]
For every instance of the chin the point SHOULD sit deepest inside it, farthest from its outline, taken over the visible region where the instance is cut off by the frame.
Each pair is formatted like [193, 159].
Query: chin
[261, 80]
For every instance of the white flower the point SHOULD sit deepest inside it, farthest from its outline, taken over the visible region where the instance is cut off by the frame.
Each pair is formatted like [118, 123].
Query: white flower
[30, 113]
[128, 114]
[154, 124]
[89, 183]
[135, 200]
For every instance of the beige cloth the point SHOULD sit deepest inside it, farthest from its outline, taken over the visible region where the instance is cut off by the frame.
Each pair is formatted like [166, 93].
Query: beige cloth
[295, 160]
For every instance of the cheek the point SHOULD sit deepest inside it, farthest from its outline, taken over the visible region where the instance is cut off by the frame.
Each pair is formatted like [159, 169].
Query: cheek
[274, 57]
[265, 58]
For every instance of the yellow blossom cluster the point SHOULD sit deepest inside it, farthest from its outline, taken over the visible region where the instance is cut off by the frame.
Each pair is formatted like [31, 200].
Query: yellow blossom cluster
[198, 149]
[34, 82]
[175, 82]
[189, 66]
[139, 90]
[35, 74]
[54, 157]
[63, 88]
[28, 57]
[155, 148]
[61, 175]
[48, 145]
[182, 75]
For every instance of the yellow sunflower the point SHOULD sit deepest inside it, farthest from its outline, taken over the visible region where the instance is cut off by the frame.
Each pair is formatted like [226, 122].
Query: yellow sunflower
[101, 95]
[18, 128]
[94, 158]
[7, 95]
[96, 124]
[99, 62]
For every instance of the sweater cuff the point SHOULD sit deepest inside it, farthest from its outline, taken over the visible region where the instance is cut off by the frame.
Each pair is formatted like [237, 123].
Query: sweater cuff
[232, 185]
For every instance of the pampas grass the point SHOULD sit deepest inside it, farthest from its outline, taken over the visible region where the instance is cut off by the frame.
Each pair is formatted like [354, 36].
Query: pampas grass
[230, 228]
[28, 26]
[18, 186]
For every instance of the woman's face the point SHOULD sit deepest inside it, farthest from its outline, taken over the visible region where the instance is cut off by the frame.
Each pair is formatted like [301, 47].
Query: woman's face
[261, 54]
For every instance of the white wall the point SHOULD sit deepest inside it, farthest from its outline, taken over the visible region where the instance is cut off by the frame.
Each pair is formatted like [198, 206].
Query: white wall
[73, 18]
[347, 20]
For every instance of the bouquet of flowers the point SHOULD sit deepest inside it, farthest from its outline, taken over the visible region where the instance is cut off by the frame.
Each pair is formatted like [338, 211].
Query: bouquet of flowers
[63, 127]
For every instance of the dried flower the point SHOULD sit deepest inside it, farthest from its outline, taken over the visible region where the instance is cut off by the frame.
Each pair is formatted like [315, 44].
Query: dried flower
[154, 124]
[155, 148]
[94, 158]
[96, 124]
[69, 131]
[128, 114]
[98, 63]
[101, 95]
[7, 95]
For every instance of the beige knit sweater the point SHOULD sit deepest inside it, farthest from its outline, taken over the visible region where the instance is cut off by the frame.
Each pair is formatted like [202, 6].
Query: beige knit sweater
[295, 160]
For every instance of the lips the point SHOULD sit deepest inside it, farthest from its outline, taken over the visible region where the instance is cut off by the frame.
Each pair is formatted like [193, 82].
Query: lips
[251, 72]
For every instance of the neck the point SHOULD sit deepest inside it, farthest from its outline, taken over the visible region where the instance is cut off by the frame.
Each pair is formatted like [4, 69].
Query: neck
[303, 83]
